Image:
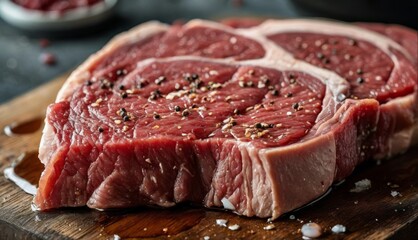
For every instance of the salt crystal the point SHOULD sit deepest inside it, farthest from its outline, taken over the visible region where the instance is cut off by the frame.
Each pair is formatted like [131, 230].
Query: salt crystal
[362, 185]
[206, 237]
[227, 204]
[395, 193]
[116, 237]
[311, 230]
[221, 222]
[234, 227]
[338, 228]
[269, 227]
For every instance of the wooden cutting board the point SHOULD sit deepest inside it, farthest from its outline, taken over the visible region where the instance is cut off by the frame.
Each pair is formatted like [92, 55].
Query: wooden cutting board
[371, 214]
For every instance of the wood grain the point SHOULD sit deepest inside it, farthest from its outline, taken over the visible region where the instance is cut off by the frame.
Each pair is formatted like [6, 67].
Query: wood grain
[372, 214]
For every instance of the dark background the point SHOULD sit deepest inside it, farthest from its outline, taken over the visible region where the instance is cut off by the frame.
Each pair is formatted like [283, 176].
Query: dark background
[21, 69]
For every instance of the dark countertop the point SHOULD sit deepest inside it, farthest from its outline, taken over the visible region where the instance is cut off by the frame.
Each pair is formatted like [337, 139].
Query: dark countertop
[20, 67]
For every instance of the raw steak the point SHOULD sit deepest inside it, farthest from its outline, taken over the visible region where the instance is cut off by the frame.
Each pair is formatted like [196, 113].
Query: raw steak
[224, 117]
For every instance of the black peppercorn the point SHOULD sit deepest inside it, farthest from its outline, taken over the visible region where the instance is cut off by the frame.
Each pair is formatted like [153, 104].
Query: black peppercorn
[185, 113]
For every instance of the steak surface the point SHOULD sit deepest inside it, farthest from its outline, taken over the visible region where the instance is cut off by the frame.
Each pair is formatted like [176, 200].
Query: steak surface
[259, 120]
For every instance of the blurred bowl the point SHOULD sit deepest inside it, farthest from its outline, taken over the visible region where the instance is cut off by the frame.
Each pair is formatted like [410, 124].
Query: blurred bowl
[35, 20]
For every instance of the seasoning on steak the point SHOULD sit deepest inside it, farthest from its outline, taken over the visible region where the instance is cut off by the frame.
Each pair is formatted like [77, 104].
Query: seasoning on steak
[257, 118]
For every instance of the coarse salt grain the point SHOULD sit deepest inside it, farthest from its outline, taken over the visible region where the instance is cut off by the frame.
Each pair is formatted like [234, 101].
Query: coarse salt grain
[338, 228]
[269, 227]
[227, 204]
[395, 193]
[361, 185]
[234, 227]
[116, 237]
[221, 222]
[311, 230]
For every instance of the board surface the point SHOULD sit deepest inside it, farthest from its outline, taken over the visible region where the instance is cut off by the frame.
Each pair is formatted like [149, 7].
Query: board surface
[371, 214]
